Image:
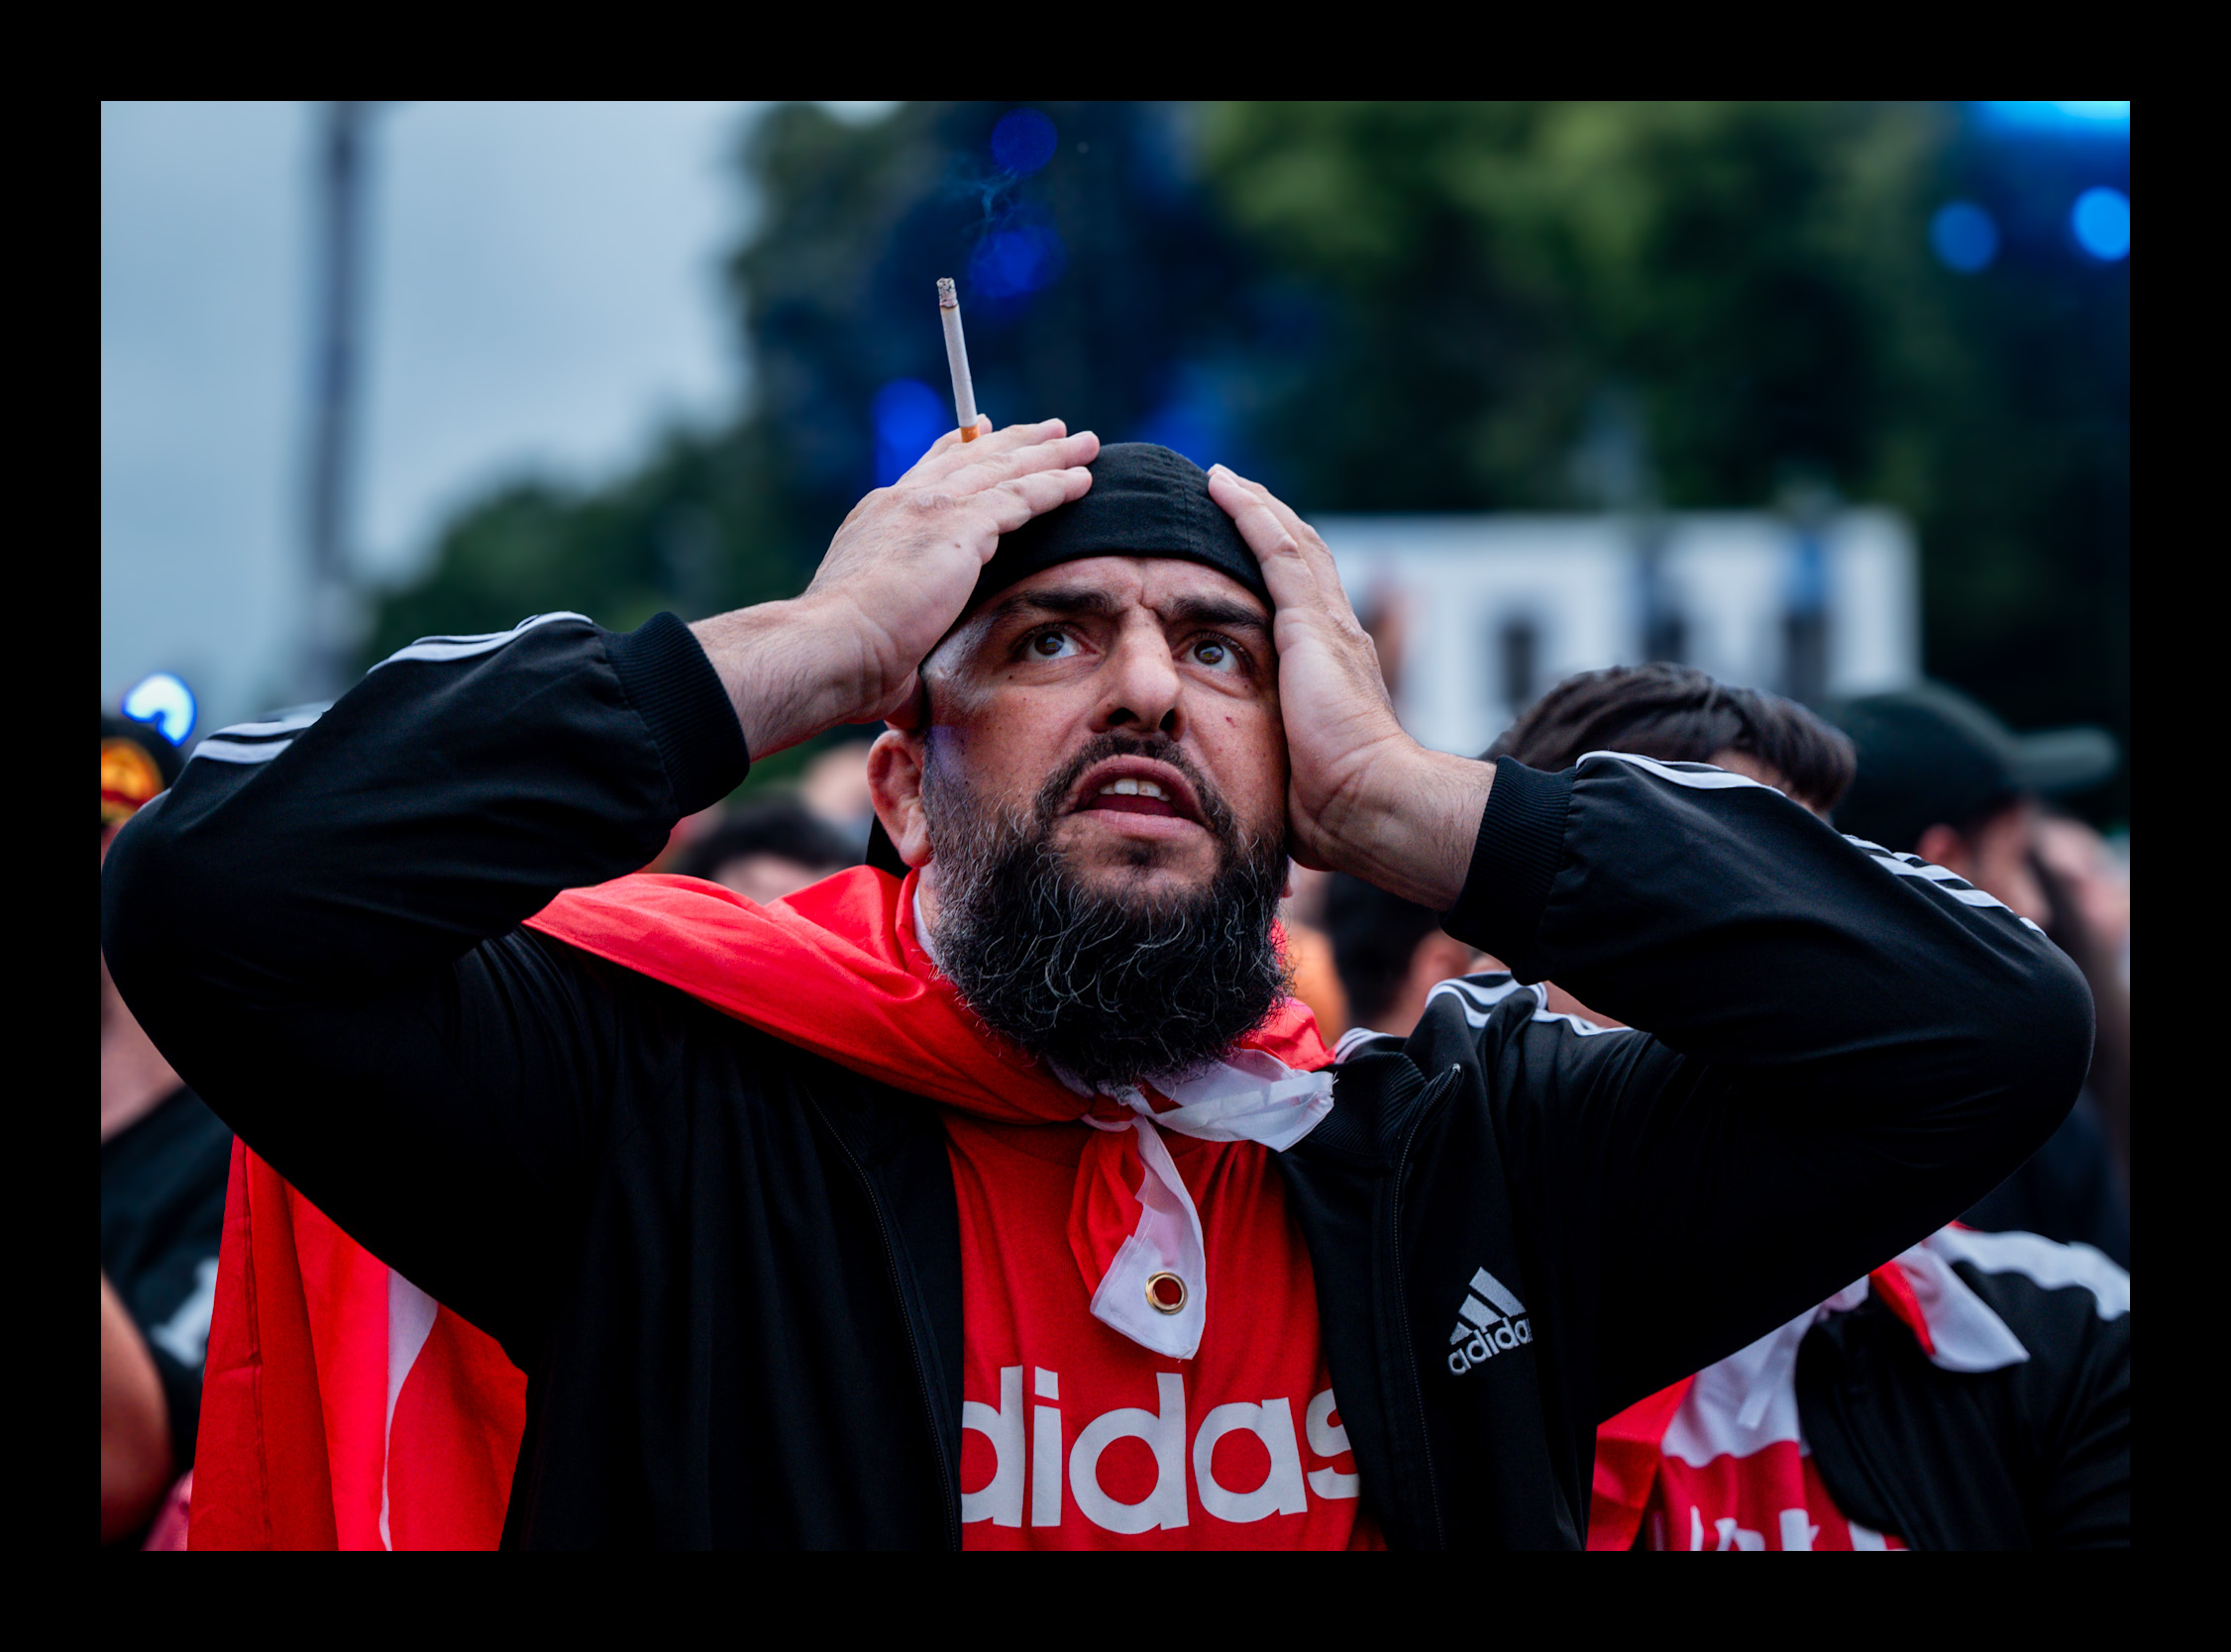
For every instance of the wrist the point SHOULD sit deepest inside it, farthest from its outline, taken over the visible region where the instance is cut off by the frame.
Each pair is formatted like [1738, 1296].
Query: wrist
[1415, 826]
[791, 670]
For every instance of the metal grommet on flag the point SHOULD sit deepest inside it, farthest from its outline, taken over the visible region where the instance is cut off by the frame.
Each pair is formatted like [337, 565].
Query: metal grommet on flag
[1165, 1293]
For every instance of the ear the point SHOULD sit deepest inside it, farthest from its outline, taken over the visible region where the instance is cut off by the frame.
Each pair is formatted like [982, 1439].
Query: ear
[1941, 846]
[895, 783]
[1439, 957]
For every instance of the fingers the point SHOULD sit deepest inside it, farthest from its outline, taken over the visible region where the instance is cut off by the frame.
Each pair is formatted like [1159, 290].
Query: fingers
[952, 438]
[1286, 569]
[949, 456]
[991, 470]
[1020, 498]
[1286, 546]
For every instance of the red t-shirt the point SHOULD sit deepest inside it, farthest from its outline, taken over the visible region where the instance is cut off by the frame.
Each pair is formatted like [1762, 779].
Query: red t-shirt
[1074, 1436]
[1775, 1498]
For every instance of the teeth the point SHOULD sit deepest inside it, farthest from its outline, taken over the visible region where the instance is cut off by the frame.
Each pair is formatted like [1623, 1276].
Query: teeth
[1127, 787]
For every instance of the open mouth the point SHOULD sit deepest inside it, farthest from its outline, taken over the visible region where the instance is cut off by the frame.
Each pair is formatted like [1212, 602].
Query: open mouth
[1133, 796]
[1137, 786]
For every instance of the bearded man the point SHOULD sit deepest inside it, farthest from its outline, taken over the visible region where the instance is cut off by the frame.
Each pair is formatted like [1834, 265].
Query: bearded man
[1010, 1202]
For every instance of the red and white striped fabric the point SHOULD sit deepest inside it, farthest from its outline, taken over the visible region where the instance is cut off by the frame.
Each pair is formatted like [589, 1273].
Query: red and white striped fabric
[342, 1406]
[1718, 1461]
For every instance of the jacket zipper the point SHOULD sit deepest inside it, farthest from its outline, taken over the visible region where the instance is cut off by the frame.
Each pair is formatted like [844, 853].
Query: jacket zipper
[950, 1500]
[1402, 1307]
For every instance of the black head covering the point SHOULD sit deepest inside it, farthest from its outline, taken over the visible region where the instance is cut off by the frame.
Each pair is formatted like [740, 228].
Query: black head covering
[1145, 501]
[1930, 756]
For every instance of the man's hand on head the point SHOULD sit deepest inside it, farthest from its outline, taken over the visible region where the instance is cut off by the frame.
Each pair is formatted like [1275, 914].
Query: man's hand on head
[897, 575]
[1363, 796]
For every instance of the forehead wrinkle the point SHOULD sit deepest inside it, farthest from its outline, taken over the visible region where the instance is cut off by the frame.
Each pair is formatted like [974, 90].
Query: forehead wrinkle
[1211, 610]
[1184, 608]
[1058, 599]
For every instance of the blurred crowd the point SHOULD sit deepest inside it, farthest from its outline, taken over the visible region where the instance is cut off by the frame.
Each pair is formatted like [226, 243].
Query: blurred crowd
[1923, 772]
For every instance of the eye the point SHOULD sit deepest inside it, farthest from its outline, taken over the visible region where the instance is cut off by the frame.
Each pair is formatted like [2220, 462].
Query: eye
[1053, 643]
[1219, 654]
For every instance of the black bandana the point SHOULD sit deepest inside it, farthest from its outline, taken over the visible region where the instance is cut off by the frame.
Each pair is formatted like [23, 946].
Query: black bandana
[1145, 501]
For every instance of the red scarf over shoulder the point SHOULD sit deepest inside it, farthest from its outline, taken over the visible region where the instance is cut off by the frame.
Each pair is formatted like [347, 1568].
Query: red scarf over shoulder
[343, 1407]
[836, 969]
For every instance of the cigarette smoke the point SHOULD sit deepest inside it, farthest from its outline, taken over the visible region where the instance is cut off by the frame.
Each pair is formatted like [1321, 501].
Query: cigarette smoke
[1016, 249]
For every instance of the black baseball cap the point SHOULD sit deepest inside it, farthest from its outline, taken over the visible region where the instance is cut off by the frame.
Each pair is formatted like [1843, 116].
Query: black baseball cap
[1146, 501]
[1930, 756]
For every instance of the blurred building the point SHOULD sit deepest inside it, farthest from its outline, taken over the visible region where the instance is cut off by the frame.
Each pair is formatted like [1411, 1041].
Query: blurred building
[1477, 615]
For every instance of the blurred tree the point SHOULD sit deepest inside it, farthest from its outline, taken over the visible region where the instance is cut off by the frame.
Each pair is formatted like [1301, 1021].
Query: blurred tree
[1410, 307]
[1743, 295]
[666, 536]
[1095, 284]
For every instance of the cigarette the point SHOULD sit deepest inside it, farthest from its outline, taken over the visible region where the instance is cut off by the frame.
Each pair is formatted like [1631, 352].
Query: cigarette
[956, 357]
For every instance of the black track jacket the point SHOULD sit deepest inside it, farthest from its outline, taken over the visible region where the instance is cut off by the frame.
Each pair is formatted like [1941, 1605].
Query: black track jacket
[731, 1269]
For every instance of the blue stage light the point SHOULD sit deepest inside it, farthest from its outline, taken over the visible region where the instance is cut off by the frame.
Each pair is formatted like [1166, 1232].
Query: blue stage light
[2101, 222]
[165, 701]
[908, 417]
[1964, 236]
[2109, 120]
[1023, 142]
[1021, 258]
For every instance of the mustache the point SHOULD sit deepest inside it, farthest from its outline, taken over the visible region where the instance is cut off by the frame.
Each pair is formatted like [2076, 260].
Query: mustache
[1216, 814]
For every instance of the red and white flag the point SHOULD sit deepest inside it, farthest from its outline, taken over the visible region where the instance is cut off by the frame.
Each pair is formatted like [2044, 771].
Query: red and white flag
[342, 1406]
[1719, 1461]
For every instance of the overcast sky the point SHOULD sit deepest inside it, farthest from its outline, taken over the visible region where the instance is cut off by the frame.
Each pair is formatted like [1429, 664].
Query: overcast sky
[543, 292]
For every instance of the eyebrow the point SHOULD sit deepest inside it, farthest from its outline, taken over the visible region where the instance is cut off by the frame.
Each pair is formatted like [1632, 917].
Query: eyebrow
[1215, 610]
[1184, 610]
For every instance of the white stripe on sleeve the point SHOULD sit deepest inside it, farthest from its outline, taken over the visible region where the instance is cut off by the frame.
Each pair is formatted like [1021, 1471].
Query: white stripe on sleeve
[1702, 776]
[1478, 1003]
[233, 751]
[463, 648]
[1907, 866]
[290, 721]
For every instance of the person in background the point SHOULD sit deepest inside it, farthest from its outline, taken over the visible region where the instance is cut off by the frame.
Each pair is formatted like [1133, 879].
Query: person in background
[1309, 952]
[1943, 778]
[834, 788]
[2097, 875]
[1971, 1393]
[2086, 882]
[1392, 952]
[766, 849]
[1678, 714]
[1389, 953]
[164, 1163]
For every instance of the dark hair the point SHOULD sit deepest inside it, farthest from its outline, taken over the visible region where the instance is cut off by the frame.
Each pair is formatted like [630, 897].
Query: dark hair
[776, 826]
[1679, 714]
[1374, 937]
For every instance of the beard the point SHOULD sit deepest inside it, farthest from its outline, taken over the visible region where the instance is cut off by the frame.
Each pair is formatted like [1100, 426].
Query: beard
[1110, 985]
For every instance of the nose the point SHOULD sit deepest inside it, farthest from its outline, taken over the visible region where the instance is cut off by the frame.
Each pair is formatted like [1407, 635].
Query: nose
[1143, 690]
